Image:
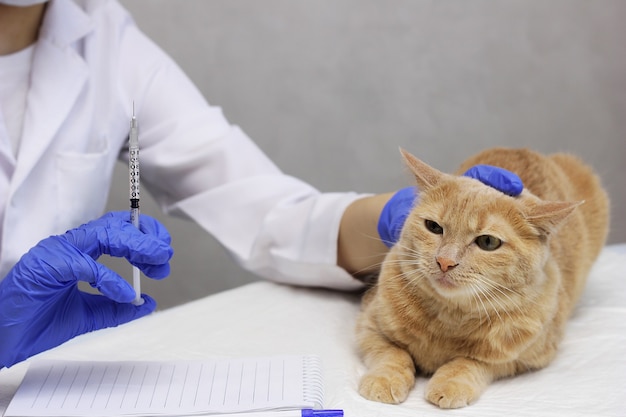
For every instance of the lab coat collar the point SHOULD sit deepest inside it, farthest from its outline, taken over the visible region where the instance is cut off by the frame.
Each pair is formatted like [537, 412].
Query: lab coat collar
[58, 75]
[64, 23]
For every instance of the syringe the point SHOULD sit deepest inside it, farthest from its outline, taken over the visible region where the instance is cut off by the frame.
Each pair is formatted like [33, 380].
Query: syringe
[133, 177]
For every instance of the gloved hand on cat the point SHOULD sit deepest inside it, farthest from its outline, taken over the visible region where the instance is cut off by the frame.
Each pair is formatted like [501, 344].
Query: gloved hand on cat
[42, 306]
[397, 209]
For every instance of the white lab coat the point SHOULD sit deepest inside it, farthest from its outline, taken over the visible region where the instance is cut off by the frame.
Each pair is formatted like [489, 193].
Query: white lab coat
[90, 63]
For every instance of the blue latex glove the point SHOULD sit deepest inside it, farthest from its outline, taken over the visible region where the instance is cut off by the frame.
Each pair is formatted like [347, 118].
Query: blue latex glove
[498, 178]
[40, 303]
[397, 209]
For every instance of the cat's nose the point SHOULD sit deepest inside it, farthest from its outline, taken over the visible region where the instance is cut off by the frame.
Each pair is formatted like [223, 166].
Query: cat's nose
[445, 264]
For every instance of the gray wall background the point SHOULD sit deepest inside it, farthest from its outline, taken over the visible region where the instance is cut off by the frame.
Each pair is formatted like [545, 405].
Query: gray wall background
[331, 88]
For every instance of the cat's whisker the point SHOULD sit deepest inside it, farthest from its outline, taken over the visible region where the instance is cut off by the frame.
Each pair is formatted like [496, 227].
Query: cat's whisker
[375, 265]
[493, 288]
[409, 251]
[476, 297]
[497, 284]
[489, 292]
[378, 265]
[409, 257]
[502, 289]
[489, 298]
[407, 271]
[410, 278]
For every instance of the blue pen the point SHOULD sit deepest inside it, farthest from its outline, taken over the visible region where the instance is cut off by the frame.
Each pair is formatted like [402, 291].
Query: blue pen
[307, 412]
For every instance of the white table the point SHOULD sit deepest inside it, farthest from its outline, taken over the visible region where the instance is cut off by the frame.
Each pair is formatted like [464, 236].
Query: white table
[588, 377]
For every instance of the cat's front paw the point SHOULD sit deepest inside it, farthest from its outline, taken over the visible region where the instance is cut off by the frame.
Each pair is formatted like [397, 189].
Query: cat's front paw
[385, 388]
[450, 394]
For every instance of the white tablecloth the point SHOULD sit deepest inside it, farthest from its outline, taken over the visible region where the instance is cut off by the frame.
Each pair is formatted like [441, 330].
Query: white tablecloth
[588, 377]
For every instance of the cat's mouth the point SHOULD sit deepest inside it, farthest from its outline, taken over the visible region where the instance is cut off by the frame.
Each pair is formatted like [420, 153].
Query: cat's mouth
[447, 286]
[446, 282]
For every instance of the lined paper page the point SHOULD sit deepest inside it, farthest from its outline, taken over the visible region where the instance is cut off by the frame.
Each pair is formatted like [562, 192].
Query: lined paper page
[70, 388]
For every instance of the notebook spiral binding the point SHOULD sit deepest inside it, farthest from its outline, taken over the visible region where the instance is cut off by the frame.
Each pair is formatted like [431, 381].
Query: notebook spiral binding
[313, 380]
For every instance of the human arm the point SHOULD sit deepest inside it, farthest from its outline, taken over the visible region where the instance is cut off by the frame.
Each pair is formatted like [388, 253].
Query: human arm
[360, 249]
[40, 303]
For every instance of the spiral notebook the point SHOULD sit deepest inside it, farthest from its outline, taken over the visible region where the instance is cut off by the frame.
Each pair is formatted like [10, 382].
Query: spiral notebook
[212, 386]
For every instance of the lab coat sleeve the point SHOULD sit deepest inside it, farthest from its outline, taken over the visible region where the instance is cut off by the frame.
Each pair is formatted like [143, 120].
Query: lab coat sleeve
[278, 227]
[198, 165]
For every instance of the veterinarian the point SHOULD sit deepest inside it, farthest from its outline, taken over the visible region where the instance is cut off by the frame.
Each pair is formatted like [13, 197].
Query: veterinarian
[69, 73]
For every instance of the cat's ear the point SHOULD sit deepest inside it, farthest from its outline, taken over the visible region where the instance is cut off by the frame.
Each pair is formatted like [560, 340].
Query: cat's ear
[548, 215]
[425, 175]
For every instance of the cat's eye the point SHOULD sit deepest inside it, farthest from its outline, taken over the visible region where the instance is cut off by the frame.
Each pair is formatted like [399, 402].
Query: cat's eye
[433, 227]
[488, 242]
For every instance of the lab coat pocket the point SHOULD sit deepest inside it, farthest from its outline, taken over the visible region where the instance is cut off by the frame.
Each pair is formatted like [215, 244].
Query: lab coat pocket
[83, 181]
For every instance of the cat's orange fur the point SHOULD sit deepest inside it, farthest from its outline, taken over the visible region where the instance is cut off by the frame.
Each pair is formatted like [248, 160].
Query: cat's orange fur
[446, 307]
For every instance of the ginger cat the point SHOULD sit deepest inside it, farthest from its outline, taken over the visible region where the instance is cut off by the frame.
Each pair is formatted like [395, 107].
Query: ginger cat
[480, 284]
